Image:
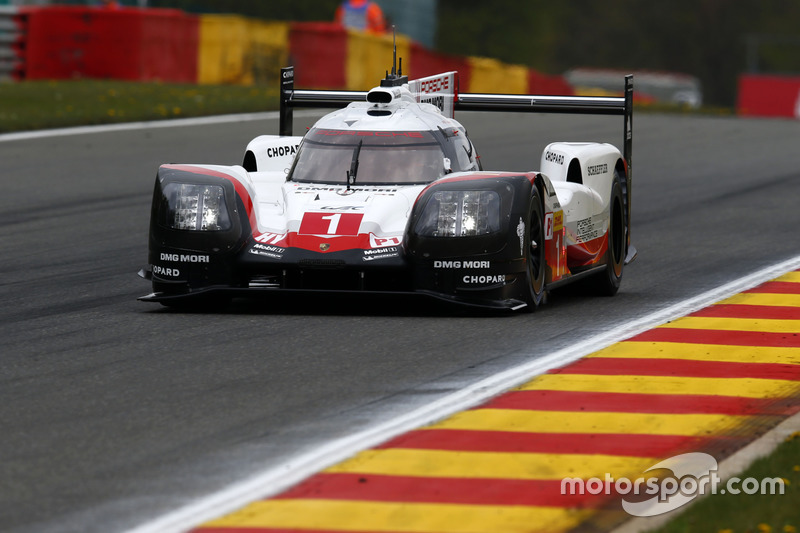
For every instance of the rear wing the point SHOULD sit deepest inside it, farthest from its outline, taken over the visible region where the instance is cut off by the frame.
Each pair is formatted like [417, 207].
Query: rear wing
[590, 105]
[442, 90]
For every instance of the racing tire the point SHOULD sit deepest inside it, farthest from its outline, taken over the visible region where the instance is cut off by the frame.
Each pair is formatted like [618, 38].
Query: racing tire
[607, 282]
[536, 264]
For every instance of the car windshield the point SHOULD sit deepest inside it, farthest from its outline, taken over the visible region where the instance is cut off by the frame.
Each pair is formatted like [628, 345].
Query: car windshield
[385, 157]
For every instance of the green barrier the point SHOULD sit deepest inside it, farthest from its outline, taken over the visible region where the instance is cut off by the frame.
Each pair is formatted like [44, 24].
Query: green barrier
[237, 50]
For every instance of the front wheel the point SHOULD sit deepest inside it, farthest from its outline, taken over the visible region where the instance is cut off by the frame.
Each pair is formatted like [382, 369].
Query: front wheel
[534, 246]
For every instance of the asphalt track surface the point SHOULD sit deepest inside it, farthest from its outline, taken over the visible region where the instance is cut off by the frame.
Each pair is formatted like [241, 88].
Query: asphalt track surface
[114, 412]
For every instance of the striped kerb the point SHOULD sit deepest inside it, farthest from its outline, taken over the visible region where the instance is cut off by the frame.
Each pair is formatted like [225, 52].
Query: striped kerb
[711, 382]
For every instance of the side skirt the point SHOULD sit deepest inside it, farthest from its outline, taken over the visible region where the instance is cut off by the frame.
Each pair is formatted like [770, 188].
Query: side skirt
[575, 277]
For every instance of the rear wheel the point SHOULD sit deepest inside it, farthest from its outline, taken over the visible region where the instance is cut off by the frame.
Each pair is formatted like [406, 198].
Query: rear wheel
[534, 246]
[607, 282]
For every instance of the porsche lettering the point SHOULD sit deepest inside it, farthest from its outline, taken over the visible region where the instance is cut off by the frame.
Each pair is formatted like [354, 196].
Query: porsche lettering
[435, 85]
[586, 230]
[409, 134]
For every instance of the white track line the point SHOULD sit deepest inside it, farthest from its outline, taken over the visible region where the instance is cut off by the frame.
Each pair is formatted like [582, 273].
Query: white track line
[131, 126]
[282, 476]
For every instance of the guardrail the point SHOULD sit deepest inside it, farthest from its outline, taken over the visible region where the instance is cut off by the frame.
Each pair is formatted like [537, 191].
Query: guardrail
[12, 43]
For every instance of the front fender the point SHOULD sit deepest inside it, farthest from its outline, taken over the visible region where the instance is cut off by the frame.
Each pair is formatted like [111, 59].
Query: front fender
[182, 259]
[479, 267]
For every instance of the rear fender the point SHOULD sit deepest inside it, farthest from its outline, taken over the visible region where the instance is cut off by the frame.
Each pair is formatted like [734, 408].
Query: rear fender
[589, 164]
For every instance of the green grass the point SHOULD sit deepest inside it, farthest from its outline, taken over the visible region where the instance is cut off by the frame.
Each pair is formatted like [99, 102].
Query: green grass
[36, 105]
[755, 513]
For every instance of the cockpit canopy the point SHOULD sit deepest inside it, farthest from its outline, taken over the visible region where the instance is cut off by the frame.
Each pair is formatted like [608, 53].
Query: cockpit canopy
[385, 157]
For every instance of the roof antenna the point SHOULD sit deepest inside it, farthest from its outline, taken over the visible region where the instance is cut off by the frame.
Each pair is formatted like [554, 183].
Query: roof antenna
[394, 51]
[396, 78]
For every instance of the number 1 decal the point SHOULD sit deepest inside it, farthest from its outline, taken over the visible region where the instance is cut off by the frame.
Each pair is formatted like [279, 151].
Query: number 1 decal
[334, 223]
[330, 224]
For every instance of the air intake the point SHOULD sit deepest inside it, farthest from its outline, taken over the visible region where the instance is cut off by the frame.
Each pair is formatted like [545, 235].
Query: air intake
[383, 95]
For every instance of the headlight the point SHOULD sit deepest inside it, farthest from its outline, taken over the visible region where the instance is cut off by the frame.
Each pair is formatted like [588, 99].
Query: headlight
[196, 207]
[460, 214]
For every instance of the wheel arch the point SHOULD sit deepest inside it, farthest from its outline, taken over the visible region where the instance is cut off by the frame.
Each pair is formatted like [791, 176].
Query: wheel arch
[621, 173]
[249, 163]
[574, 173]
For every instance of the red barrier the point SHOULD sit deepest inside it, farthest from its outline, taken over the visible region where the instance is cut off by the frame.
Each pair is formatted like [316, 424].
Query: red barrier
[769, 96]
[168, 43]
[424, 62]
[318, 51]
[539, 83]
[125, 44]
[162, 44]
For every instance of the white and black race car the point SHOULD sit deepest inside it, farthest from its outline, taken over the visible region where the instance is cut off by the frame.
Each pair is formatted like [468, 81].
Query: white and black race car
[387, 195]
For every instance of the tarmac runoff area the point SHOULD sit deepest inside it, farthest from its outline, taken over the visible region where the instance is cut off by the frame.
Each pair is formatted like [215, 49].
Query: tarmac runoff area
[721, 378]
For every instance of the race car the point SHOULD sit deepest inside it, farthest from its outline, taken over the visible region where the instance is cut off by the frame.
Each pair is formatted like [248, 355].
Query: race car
[387, 195]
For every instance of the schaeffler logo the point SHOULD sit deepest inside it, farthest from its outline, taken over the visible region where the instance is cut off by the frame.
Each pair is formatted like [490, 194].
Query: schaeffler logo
[693, 475]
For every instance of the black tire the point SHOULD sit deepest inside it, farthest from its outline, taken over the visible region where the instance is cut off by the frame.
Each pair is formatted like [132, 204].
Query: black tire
[536, 264]
[607, 283]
